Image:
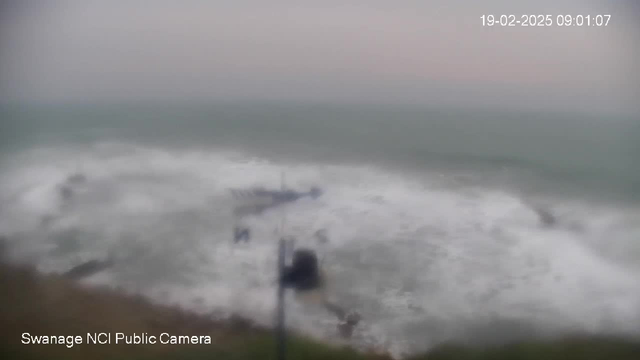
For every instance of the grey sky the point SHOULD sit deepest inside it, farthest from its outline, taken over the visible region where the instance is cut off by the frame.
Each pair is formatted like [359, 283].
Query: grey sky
[416, 52]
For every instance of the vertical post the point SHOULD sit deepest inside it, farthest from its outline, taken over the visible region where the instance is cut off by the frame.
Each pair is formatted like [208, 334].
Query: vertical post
[282, 254]
[280, 327]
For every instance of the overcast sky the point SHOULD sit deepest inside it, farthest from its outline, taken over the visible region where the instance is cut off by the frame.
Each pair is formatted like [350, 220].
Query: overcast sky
[398, 52]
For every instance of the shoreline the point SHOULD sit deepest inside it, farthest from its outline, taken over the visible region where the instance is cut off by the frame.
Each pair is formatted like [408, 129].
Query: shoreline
[52, 305]
[51, 316]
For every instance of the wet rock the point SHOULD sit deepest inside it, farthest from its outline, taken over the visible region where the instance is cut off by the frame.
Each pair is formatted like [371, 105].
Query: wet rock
[546, 217]
[65, 192]
[88, 268]
[47, 220]
[321, 236]
[66, 189]
[348, 325]
[76, 179]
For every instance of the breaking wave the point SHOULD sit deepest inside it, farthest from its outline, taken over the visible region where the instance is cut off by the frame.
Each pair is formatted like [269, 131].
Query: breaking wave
[422, 261]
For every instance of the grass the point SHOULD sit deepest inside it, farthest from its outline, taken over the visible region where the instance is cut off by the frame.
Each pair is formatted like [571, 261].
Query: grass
[51, 305]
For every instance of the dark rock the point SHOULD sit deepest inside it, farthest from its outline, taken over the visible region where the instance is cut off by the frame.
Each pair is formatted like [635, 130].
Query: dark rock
[76, 179]
[546, 217]
[88, 268]
[346, 327]
[321, 236]
[65, 192]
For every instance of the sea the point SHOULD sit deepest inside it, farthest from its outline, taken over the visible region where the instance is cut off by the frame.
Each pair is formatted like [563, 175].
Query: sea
[432, 216]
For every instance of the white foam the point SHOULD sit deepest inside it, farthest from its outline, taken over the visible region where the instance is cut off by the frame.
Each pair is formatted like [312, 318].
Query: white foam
[405, 252]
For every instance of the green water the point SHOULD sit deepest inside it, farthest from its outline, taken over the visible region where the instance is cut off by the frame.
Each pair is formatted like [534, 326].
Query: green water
[592, 154]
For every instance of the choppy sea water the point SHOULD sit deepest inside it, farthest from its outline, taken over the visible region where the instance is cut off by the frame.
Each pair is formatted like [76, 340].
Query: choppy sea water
[429, 241]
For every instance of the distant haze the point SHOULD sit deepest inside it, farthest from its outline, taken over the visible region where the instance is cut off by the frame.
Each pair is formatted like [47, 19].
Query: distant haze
[410, 52]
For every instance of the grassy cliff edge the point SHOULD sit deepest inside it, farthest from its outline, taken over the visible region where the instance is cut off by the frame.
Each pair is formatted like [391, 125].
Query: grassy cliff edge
[51, 305]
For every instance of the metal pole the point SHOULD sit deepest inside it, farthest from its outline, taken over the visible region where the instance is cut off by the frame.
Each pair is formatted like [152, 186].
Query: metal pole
[281, 335]
[282, 253]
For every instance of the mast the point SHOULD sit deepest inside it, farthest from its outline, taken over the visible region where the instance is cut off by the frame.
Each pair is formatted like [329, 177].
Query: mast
[282, 251]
